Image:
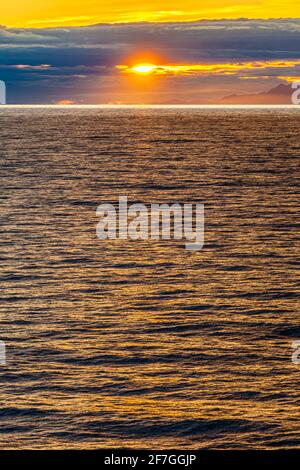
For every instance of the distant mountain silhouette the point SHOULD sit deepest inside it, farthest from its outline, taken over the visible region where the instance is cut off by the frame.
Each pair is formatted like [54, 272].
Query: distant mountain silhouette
[281, 94]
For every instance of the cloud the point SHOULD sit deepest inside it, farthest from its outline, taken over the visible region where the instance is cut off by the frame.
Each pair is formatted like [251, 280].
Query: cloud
[225, 68]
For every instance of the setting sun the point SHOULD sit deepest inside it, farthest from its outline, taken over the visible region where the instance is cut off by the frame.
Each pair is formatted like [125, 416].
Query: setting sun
[143, 68]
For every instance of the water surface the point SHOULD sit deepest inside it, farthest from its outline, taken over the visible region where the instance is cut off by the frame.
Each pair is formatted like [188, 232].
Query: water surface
[141, 343]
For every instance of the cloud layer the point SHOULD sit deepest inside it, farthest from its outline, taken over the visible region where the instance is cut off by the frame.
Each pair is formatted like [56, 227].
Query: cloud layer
[79, 63]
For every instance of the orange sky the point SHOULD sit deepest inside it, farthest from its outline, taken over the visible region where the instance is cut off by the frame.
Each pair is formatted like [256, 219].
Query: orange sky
[34, 13]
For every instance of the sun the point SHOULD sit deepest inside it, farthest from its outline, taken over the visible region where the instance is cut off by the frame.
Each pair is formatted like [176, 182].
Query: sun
[143, 68]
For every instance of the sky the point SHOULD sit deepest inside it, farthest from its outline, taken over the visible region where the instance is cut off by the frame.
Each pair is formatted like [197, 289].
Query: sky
[34, 13]
[184, 52]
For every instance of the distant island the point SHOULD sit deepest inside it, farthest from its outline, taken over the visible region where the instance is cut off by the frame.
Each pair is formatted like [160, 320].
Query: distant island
[281, 94]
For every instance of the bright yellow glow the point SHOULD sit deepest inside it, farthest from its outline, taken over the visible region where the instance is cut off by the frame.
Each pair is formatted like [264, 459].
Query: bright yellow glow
[205, 69]
[144, 68]
[33, 13]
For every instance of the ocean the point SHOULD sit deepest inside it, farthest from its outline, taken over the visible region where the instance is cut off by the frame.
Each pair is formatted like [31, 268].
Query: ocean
[143, 344]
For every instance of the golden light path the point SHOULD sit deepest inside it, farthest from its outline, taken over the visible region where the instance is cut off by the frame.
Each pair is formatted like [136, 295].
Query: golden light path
[202, 69]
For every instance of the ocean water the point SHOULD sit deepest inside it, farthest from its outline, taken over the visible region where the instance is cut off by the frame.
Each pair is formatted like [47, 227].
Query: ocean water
[142, 344]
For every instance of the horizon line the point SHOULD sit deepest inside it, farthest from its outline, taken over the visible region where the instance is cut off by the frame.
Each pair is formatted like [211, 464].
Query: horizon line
[166, 106]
